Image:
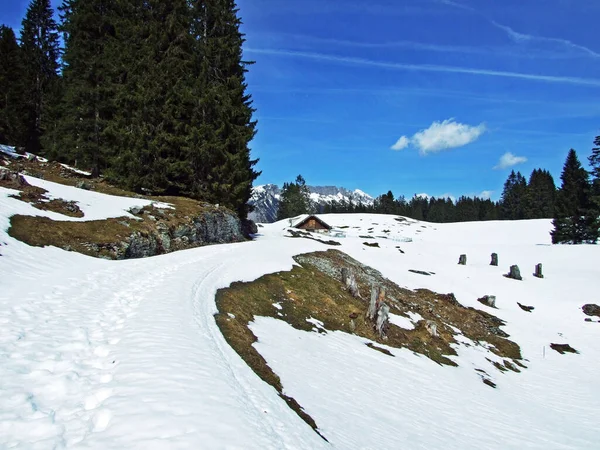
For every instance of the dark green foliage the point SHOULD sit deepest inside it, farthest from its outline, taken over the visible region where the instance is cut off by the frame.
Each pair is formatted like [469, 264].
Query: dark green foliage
[575, 221]
[594, 161]
[540, 196]
[513, 201]
[224, 110]
[438, 210]
[40, 53]
[295, 199]
[154, 96]
[78, 136]
[12, 90]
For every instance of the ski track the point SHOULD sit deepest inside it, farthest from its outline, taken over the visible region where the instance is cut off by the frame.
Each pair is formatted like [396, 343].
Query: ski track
[111, 372]
[126, 354]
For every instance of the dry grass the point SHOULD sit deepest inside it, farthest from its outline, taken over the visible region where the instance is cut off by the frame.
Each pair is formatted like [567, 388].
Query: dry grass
[93, 238]
[314, 290]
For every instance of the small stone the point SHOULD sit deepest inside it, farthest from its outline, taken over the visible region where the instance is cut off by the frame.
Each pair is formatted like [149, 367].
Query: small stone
[488, 300]
[462, 260]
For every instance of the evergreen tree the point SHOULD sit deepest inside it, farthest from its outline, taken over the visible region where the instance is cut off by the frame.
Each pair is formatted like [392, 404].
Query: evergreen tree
[594, 160]
[152, 122]
[574, 219]
[11, 90]
[541, 194]
[219, 153]
[513, 197]
[294, 200]
[78, 135]
[40, 50]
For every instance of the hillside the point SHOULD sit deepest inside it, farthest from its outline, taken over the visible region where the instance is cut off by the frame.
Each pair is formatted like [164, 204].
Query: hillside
[127, 354]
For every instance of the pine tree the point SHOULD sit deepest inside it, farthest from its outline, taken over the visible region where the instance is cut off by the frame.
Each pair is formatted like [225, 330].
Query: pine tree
[295, 199]
[152, 123]
[594, 160]
[78, 135]
[40, 50]
[574, 219]
[541, 195]
[12, 89]
[513, 197]
[219, 154]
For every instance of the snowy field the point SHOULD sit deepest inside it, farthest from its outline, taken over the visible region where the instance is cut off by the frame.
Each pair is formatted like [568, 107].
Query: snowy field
[127, 354]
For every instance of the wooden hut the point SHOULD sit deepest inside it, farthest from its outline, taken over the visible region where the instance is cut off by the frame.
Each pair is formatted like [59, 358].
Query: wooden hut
[312, 223]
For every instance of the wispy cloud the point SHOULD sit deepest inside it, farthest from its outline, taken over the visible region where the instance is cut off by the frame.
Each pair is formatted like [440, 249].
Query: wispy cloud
[401, 144]
[424, 67]
[509, 160]
[441, 136]
[521, 38]
[486, 195]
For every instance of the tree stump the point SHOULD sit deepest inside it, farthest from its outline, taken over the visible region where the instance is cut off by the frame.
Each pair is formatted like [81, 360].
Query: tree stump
[514, 273]
[431, 327]
[538, 271]
[383, 320]
[349, 281]
[462, 260]
[494, 259]
[372, 311]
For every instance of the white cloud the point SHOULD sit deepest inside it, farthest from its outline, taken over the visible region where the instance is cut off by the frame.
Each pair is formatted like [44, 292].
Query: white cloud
[509, 160]
[423, 195]
[448, 195]
[401, 144]
[441, 136]
[486, 195]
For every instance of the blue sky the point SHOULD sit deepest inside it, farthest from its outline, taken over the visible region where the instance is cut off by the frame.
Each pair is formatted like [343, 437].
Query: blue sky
[464, 91]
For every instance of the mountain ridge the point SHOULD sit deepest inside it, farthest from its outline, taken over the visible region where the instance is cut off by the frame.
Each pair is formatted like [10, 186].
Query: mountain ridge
[265, 199]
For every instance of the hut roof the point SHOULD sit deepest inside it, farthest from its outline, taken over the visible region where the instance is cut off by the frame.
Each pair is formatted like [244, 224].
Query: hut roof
[304, 219]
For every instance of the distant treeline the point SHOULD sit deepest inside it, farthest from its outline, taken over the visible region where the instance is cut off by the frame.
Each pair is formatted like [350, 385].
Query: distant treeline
[149, 93]
[575, 207]
[520, 200]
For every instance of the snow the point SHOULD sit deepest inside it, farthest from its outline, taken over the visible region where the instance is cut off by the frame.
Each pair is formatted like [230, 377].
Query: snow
[127, 354]
[401, 321]
[73, 169]
[94, 205]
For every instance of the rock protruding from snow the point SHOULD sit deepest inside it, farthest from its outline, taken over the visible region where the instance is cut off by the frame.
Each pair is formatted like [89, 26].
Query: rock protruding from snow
[538, 271]
[494, 259]
[462, 260]
[488, 300]
[514, 273]
[591, 310]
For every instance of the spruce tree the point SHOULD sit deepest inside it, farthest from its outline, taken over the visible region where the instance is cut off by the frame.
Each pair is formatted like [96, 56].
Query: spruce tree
[513, 197]
[594, 160]
[12, 89]
[154, 97]
[78, 136]
[574, 218]
[541, 195]
[40, 50]
[294, 200]
[219, 149]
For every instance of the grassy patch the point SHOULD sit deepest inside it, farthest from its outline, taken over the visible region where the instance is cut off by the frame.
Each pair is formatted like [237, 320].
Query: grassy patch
[314, 291]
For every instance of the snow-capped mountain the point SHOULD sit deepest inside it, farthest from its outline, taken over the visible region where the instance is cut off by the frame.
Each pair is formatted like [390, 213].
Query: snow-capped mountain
[265, 199]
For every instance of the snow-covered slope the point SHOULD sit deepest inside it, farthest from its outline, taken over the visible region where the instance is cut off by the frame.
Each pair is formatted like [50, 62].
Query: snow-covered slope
[127, 354]
[265, 199]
